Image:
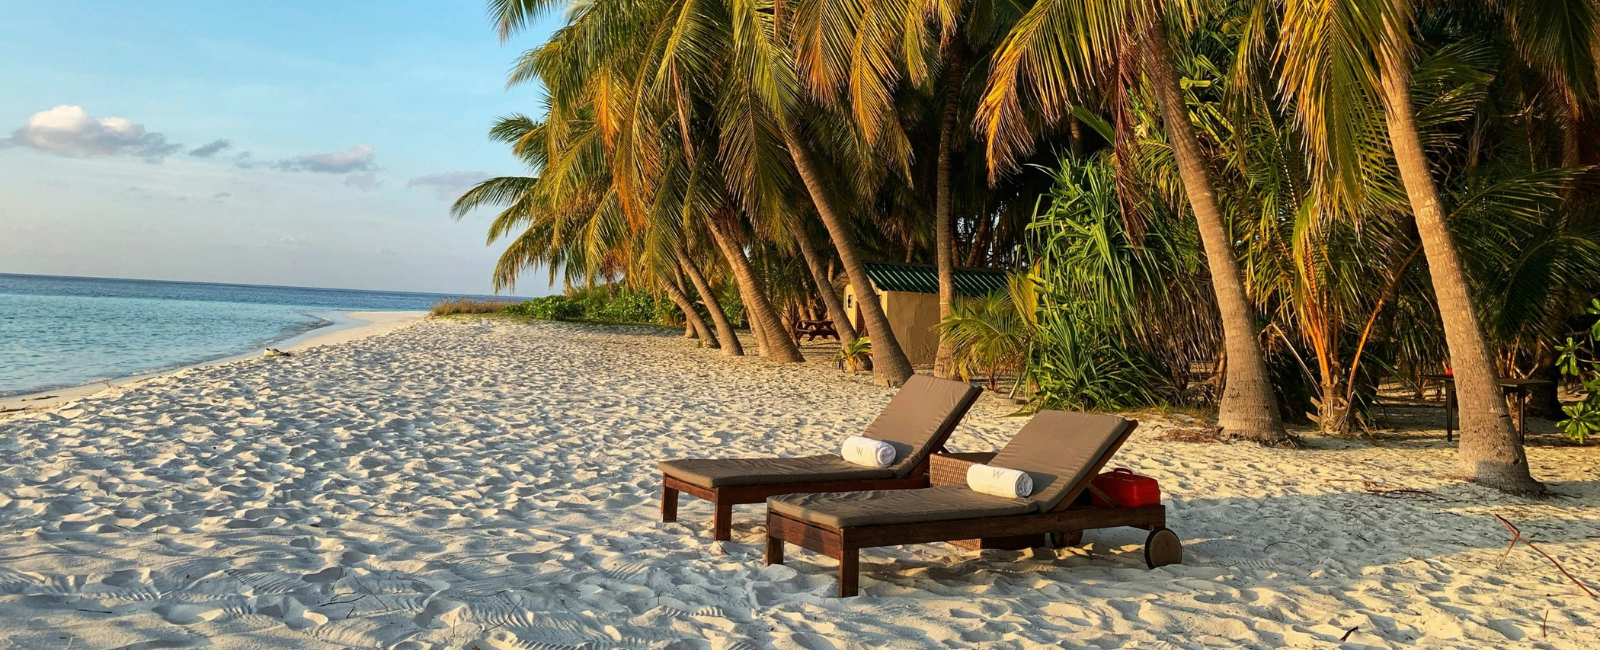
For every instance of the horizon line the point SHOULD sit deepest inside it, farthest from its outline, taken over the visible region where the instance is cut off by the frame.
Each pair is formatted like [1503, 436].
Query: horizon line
[253, 286]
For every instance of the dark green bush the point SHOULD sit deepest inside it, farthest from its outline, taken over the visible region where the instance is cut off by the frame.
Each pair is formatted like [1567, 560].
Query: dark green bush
[548, 308]
[620, 305]
[469, 306]
[606, 304]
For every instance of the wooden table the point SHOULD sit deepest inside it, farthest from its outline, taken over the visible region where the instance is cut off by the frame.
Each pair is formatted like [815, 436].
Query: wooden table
[814, 329]
[1520, 388]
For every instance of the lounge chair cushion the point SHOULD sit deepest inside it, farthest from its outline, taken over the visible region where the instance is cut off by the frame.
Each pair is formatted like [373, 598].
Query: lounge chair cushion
[724, 472]
[884, 507]
[924, 408]
[1059, 449]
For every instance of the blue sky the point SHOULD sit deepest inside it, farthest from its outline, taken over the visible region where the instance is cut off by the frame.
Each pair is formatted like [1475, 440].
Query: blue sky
[300, 143]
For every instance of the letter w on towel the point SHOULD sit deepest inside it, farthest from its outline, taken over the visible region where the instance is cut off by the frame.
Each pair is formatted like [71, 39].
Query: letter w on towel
[868, 452]
[999, 481]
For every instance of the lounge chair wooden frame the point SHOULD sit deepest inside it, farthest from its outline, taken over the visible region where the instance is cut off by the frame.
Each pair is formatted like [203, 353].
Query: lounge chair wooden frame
[1065, 522]
[723, 499]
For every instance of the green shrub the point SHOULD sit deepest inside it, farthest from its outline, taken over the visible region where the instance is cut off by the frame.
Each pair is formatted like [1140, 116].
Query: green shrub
[620, 305]
[548, 308]
[1092, 286]
[732, 305]
[855, 356]
[1079, 364]
[605, 304]
[469, 306]
[1583, 418]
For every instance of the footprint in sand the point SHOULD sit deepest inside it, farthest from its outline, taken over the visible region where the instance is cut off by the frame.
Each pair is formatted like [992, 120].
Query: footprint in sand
[288, 609]
[442, 613]
[325, 576]
[188, 614]
[128, 578]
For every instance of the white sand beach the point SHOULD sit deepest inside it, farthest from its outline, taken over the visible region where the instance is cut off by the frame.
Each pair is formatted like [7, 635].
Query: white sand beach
[484, 483]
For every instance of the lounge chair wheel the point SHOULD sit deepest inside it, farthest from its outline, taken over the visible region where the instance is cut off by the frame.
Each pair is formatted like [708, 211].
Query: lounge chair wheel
[1065, 539]
[1162, 547]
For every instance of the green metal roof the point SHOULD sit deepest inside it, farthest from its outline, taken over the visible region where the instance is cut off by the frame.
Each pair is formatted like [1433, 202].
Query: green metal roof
[923, 278]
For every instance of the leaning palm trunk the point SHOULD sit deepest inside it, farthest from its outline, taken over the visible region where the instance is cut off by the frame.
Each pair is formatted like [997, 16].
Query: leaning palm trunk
[1248, 408]
[944, 220]
[764, 319]
[1489, 452]
[697, 325]
[819, 275]
[725, 334]
[889, 364]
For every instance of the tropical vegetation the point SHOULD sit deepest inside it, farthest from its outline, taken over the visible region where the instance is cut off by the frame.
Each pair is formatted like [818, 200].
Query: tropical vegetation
[605, 303]
[1271, 207]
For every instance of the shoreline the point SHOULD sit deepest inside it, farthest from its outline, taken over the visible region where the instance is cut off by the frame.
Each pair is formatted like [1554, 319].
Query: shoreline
[342, 327]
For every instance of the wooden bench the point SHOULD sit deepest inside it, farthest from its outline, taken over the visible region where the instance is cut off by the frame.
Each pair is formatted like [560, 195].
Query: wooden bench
[815, 329]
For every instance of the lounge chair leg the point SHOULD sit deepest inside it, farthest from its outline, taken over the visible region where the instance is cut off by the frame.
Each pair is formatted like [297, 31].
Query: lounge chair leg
[774, 551]
[849, 572]
[722, 522]
[669, 504]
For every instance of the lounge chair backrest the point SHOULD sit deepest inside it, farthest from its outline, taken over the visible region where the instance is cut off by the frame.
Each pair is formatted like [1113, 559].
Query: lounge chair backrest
[920, 418]
[1062, 451]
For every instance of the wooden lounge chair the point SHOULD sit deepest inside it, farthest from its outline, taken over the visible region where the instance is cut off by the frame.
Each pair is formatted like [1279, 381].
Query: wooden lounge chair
[1062, 451]
[917, 422]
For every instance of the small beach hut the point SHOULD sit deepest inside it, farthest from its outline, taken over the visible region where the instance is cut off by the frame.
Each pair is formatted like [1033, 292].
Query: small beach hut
[909, 294]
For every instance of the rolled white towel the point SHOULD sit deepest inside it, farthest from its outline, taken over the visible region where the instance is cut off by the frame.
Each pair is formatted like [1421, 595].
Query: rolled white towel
[999, 481]
[866, 451]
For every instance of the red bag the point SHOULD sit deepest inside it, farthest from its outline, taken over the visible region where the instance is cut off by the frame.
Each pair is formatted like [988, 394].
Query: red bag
[1128, 489]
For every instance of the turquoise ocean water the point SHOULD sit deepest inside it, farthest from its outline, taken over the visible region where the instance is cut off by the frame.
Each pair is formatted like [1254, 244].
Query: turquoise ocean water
[57, 332]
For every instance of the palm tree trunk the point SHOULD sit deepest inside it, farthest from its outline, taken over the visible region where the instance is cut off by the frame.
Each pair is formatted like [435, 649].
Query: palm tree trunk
[1571, 144]
[944, 217]
[696, 324]
[1248, 408]
[978, 255]
[1489, 452]
[889, 364]
[775, 343]
[756, 330]
[725, 334]
[1075, 137]
[819, 275]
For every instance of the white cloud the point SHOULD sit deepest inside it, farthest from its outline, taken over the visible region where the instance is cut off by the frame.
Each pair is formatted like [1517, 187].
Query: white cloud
[363, 182]
[360, 158]
[449, 185]
[70, 131]
[210, 149]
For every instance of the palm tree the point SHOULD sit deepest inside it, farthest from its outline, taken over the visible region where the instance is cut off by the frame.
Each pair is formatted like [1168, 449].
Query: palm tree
[725, 334]
[1336, 54]
[696, 324]
[1489, 450]
[654, 180]
[1052, 56]
[862, 51]
[819, 275]
[762, 68]
[890, 366]
[1557, 39]
[764, 319]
